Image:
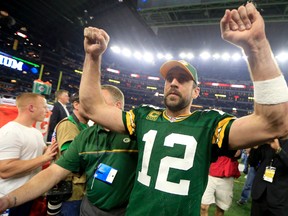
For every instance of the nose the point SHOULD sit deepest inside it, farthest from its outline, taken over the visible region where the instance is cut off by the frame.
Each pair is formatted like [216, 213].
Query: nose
[174, 82]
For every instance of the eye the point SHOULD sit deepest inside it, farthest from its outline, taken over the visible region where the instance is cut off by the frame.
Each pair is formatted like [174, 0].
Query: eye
[182, 78]
[169, 78]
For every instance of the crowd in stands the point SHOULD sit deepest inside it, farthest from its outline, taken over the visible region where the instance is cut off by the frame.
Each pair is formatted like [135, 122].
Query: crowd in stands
[238, 101]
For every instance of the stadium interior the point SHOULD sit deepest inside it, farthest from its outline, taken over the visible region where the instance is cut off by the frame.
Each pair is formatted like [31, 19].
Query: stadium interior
[47, 37]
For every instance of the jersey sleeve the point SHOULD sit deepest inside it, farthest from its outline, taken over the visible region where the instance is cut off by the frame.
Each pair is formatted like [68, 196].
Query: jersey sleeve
[220, 140]
[129, 121]
[222, 130]
[130, 117]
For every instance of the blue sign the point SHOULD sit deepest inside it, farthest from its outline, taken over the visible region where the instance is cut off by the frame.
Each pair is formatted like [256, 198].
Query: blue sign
[18, 64]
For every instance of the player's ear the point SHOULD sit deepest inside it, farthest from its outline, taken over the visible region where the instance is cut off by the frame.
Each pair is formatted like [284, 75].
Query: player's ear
[195, 92]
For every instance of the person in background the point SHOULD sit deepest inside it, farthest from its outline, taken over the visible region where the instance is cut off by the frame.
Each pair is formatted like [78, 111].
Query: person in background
[59, 111]
[244, 158]
[246, 191]
[174, 144]
[270, 189]
[65, 132]
[220, 185]
[109, 160]
[22, 148]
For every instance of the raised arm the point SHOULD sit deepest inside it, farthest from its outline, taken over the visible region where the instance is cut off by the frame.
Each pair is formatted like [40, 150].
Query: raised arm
[92, 102]
[245, 28]
[34, 188]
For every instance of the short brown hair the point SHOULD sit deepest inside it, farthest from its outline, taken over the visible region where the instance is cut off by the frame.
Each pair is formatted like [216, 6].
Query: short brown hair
[115, 92]
[74, 97]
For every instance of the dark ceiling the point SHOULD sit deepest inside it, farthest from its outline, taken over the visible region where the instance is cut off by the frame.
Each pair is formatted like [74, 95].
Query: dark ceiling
[58, 24]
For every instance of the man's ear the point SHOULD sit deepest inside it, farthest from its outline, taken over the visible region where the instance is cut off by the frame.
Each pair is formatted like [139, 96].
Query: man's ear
[195, 92]
[119, 105]
[75, 105]
[31, 108]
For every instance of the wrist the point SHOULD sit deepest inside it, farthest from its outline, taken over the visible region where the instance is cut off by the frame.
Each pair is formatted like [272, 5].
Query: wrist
[272, 91]
[12, 201]
[256, 48]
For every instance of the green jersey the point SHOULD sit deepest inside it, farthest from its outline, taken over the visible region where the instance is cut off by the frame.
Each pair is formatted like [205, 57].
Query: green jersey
[93, 146]
[174, 158]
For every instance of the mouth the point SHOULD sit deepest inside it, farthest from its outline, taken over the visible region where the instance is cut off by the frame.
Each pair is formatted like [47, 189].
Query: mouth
[174, 93]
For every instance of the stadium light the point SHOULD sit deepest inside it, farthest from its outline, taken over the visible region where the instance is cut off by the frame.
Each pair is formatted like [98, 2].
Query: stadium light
[282, 57]
[137, 55]
[115, 49]
[168, 56]
[160, 56]
[236, 56]
[190, 55]
[216, 56]
[182, 55]
[126, 52]
[205, 55]
[148, 57]
[225, 56]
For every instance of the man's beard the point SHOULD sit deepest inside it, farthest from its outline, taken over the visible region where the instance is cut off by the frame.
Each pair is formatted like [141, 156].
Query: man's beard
[175, 107]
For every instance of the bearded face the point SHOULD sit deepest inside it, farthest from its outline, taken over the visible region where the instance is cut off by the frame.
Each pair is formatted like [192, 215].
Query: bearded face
[175, 101]
[178, 90]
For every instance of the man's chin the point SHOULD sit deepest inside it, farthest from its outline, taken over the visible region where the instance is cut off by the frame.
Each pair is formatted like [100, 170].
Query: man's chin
[172, 105]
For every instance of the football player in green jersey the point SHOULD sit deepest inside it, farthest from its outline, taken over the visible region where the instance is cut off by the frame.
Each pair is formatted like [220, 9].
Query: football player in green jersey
[175, 145]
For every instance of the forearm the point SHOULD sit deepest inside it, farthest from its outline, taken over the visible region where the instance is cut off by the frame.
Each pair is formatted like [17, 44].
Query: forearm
[17, 167]
[268, 100]
[90, 86]
[36, 187]
[261, 61]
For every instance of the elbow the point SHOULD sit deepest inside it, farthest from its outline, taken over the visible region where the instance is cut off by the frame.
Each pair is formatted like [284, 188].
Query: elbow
[277, 119]
[283, 130]
[280, 128]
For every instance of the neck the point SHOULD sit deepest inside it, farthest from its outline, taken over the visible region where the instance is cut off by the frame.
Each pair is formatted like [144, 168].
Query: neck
[24, 121]
[61, 102]
[172, 114]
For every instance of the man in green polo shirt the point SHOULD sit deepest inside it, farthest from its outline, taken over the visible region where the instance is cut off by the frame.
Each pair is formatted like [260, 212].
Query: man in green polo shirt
[107, 158]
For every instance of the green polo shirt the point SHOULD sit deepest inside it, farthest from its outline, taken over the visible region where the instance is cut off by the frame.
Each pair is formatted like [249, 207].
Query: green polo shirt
[93, 146]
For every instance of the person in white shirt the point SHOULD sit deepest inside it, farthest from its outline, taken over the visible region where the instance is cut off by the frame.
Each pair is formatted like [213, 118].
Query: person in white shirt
[22, 148]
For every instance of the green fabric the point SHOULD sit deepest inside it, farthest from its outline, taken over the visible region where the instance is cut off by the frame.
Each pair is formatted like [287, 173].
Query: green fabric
[174, 159]
[82, 125]
[94, 146]
[65, 146]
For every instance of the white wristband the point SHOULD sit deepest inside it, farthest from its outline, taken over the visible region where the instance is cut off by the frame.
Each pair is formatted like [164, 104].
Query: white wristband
[273, 91]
